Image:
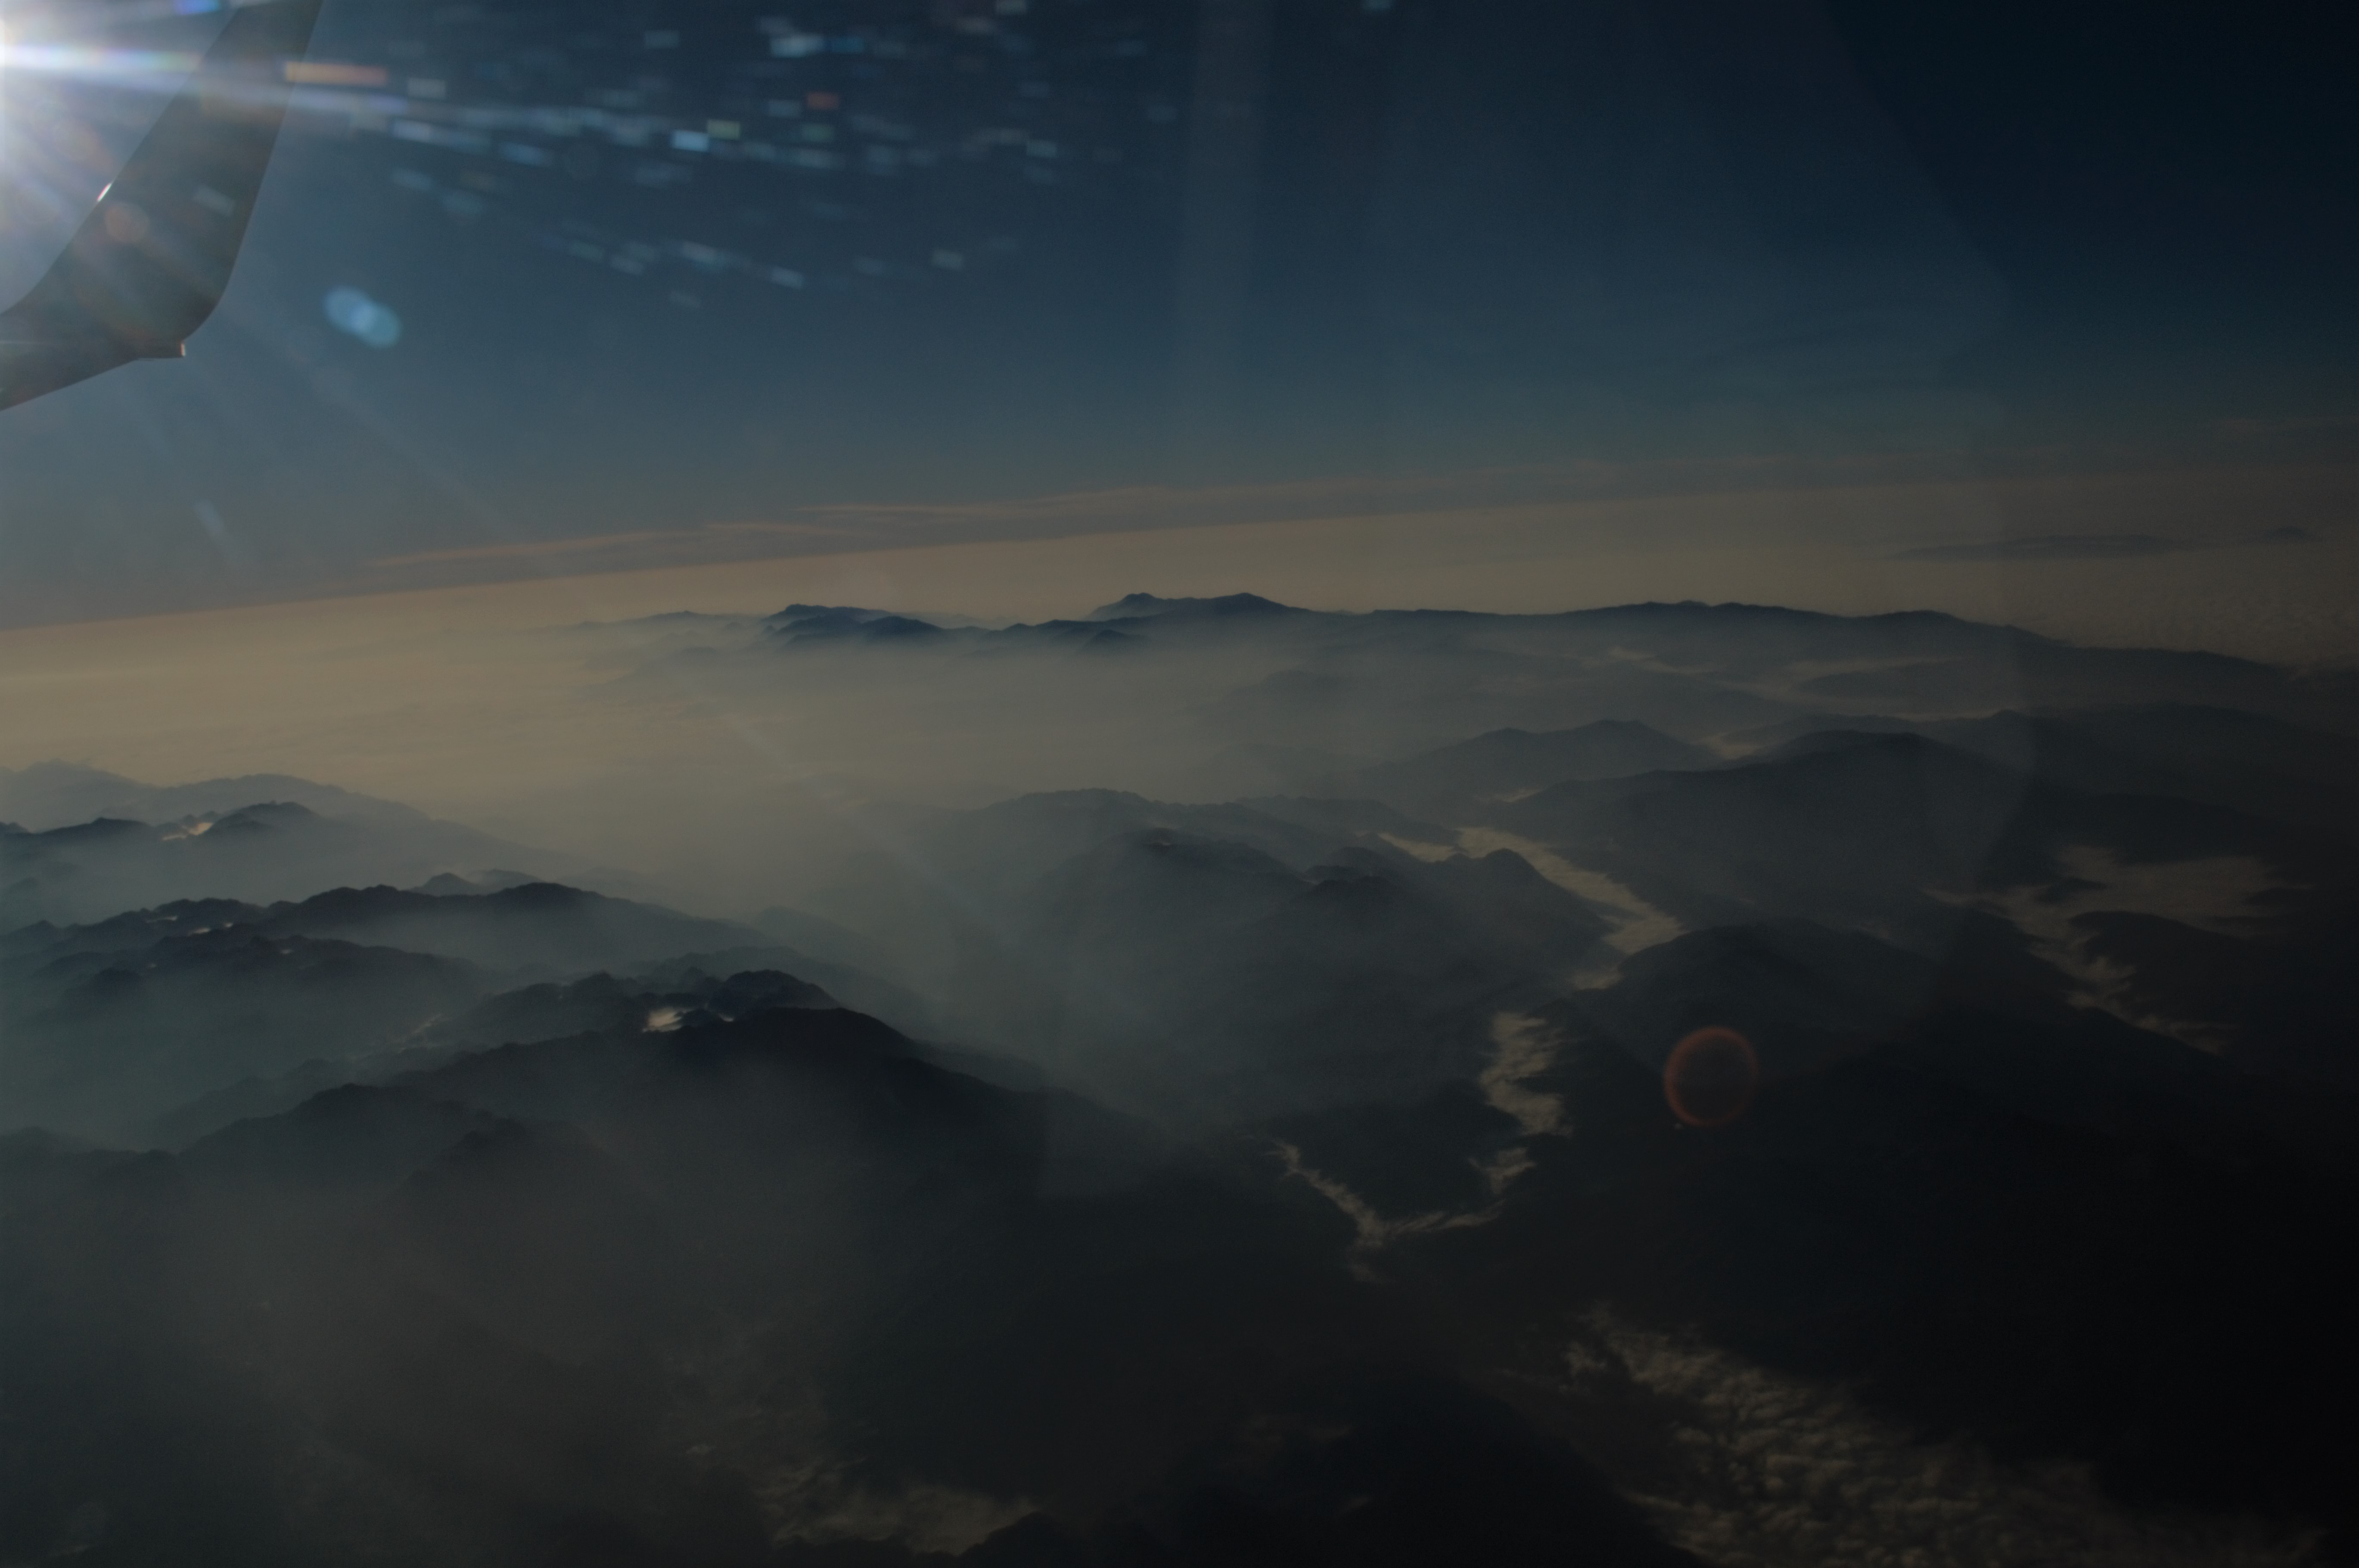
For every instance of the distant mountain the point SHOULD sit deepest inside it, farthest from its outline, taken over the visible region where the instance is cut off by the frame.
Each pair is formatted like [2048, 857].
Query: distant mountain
[994, 853]
[859, 989]
[61, 794]
[1509, 763]
[1411, 679]
[1140, 606]
[1851, 831]
[819, 623]
[2221, 929]
[599, 1003]
[259, 849]
[2247, 762]
[99, 1043]
[1874, 831]
[541, 925]
[105, 1026]
[1206, 959]
[602, 1002]
[1185, 706]
[1500, 765]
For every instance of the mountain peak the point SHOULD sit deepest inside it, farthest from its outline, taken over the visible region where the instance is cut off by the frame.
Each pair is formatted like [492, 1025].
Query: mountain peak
[1138, 606]
[803, 623]
[263, 815]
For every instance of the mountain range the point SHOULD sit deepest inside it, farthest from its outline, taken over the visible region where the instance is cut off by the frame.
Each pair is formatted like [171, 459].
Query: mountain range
[112, 844]
[1678, 1084]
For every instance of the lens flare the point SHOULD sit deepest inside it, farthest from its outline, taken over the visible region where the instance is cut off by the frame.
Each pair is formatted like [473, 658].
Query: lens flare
[355, 313]
[1710, 1078]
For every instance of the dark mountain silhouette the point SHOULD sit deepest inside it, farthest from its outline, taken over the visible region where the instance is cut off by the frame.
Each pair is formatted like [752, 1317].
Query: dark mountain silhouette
[535, 1332]
[98, 1043]
[1874, 831]
[1809, 1000]
[1392, 682]
[670, 996]
[61, 794]
[1915, 1118]
[540, 925]
[1140, 606]
[802, 623]
[117, 1024]
[531, 925]
[448, 884]
[259, 851]
[515, 1290]
[2270, 996]
[1848, 831]
[2247, 762]
[855, 989]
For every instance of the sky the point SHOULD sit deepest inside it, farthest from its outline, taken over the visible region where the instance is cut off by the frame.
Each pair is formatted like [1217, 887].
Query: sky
[644, 287]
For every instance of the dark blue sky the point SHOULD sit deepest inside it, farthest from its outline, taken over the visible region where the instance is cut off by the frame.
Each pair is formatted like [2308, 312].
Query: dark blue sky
[2167, 188]
[660, 266]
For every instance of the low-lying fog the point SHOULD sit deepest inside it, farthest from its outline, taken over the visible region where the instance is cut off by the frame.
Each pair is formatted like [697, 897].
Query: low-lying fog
[1039, 837]
[726, 760]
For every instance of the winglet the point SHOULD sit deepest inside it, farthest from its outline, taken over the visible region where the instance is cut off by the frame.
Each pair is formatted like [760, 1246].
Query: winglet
[150, 263]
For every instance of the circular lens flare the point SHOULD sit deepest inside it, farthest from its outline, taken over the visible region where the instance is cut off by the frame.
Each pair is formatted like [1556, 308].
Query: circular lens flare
[1710, 1078]
[355, 313]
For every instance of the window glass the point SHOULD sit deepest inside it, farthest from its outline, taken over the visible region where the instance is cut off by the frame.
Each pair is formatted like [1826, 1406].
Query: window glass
[1177, 782]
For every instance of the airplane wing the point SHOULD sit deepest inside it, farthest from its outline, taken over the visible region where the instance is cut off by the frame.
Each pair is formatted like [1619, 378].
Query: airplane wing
[149, 264]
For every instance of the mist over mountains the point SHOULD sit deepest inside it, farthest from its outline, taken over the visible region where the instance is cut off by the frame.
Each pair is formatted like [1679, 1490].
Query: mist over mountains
[77, 844]
[1210, 1081]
